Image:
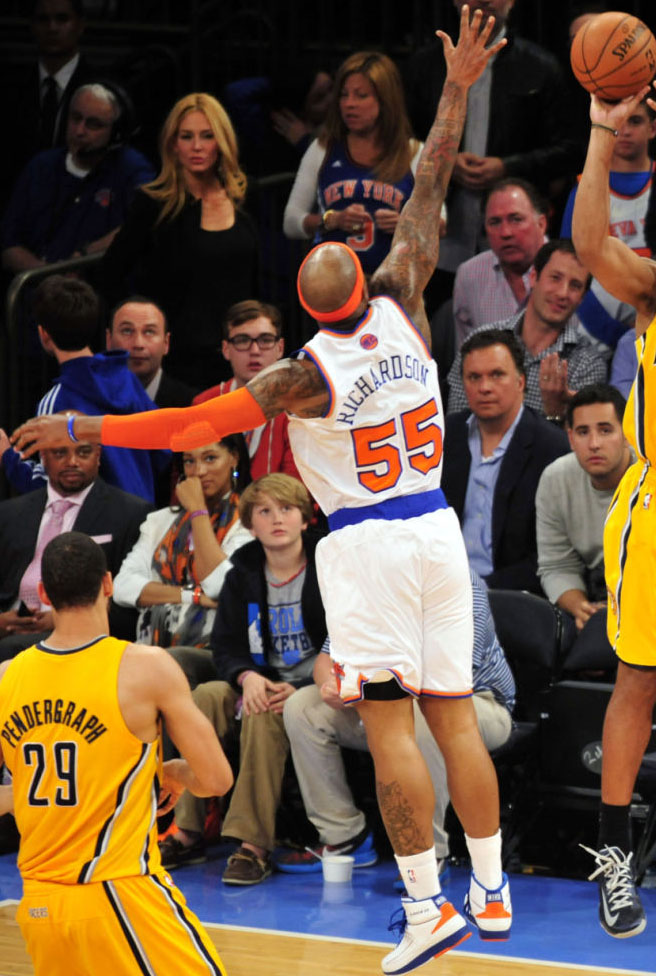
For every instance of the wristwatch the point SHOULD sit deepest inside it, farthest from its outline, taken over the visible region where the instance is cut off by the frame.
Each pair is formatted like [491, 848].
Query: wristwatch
[191, 594]
[326, 214]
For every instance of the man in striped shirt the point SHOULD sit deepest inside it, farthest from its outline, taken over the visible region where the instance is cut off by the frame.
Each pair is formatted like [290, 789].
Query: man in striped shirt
[495, 284]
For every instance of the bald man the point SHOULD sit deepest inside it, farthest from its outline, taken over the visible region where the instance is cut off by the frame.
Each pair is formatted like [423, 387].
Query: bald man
[366, 430]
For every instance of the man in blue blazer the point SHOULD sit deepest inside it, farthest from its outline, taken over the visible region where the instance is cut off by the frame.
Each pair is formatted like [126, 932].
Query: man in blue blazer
[494, 454]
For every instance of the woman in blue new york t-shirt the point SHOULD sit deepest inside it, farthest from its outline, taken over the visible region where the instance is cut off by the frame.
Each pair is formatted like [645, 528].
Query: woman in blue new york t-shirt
[355, 178]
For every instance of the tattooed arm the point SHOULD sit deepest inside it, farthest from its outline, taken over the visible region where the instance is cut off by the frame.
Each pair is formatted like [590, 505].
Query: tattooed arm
[294, 385]
[415, 246]
[291, 385]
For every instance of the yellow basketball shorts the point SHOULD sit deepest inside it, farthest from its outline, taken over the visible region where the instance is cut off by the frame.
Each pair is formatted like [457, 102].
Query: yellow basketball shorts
[130, 927]
[630, 566]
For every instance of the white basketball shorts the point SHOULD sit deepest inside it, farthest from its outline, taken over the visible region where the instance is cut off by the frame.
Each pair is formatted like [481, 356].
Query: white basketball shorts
[398, 602]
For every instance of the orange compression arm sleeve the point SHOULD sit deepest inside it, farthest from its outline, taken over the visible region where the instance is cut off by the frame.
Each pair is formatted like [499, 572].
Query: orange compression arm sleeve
[183, 429]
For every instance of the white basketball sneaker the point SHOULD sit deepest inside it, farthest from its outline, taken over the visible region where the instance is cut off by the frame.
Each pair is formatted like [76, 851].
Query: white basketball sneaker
[489, 909]
[428, 927]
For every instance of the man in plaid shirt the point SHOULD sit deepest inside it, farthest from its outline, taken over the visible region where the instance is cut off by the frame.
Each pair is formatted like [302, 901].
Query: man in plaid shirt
[558, 358]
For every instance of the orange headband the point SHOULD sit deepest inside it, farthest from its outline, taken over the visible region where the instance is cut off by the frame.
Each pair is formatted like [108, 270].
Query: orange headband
[348, 308]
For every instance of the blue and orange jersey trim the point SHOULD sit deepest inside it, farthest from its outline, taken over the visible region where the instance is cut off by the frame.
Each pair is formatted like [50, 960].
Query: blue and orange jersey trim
[362, 681]
[325, 377]
[644, 189]
[430, 693]
[410, 689]
[410, 323]
[365, 319]
[348, 333]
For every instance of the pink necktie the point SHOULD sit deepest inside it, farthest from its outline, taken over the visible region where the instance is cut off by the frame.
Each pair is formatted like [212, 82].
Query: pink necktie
[51, 526]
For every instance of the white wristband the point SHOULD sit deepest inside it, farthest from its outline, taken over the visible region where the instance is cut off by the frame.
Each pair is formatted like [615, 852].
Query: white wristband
[186, 596]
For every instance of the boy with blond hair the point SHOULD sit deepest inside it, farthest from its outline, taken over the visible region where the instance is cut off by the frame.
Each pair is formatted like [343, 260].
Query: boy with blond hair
[269, 627]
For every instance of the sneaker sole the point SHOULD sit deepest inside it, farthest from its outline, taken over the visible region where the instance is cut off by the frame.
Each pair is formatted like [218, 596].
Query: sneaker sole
[234, 881]
[451, 942]
[487, 935]
[640, 927]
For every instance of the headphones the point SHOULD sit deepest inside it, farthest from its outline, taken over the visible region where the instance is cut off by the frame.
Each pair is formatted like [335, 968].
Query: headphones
[125, 127]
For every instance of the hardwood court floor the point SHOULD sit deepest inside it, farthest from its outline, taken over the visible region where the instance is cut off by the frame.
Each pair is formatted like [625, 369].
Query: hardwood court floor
[296, 926]
[247, 952]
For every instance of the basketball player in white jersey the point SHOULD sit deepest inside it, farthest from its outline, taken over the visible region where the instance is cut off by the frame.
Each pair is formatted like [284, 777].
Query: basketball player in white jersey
[366, 429]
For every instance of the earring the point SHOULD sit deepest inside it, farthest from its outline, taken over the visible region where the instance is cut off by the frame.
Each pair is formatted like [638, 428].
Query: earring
[234, 478]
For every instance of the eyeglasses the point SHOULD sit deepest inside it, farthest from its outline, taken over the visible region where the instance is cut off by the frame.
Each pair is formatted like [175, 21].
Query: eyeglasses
[90, 121]
[242, 342]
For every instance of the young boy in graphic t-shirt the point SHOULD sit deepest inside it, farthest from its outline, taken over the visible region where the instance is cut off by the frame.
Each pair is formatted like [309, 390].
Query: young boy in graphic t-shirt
[269, 627]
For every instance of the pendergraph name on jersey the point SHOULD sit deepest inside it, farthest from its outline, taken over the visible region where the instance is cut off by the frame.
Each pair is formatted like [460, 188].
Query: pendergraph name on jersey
[50, 711]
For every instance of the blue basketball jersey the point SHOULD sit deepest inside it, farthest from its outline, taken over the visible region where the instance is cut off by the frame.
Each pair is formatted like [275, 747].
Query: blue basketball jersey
[343, 182]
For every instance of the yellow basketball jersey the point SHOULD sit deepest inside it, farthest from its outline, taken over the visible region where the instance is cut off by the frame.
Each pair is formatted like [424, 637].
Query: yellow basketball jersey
[640, 413]
[85, 789]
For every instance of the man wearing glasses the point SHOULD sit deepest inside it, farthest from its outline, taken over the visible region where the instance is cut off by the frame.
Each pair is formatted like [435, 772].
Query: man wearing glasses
[73, 199]
[252, 340]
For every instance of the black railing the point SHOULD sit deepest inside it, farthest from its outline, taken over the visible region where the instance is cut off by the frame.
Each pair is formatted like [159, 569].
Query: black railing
[28, 372]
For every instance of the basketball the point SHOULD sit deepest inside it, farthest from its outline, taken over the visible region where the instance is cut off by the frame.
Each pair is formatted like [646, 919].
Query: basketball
[613, 55]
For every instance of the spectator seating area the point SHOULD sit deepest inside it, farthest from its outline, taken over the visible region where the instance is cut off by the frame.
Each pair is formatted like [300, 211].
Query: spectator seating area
[159, 52]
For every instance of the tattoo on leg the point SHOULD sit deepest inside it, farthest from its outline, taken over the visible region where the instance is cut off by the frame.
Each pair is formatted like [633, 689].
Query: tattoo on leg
[405, 834]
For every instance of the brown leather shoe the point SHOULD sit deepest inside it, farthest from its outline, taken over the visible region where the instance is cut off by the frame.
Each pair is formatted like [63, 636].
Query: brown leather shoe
[244, 867]
[175, 854]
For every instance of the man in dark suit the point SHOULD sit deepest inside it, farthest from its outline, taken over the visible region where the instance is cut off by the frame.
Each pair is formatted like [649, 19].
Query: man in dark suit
[494, 454]
[40, 94]
[139, 327]
[517, 125]
[74, 498]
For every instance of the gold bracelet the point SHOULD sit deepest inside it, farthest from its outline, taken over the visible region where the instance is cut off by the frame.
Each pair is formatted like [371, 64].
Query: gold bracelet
[607, 128]
[326, 214]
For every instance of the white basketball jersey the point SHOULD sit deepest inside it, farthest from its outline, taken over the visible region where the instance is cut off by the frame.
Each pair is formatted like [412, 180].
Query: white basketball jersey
[381, 436]
[627, 218]
[627, 223]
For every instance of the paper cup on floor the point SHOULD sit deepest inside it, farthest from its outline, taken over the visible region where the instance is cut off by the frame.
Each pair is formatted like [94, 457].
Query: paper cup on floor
[337, 894]
[337, 867]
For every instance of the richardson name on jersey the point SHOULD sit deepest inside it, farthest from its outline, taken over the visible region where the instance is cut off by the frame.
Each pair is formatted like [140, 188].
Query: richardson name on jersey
[49, 712]
[382, 372]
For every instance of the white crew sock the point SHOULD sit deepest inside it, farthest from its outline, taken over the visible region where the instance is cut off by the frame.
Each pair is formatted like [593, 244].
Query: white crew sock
[419, 874]
[485, 853]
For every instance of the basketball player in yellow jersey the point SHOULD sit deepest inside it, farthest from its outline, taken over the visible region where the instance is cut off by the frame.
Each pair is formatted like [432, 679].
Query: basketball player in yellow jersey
[79, 722]
[630, 533]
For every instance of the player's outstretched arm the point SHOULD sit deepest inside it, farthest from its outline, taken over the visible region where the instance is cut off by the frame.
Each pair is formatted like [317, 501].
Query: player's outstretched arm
[626, 275]
[415, 246]
[286, 385]
[194, 426]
